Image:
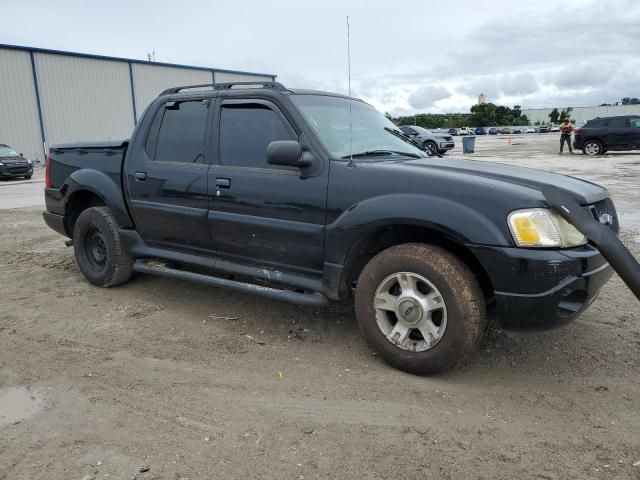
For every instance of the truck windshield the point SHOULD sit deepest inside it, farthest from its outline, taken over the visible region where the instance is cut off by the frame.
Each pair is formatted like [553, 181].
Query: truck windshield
[8, 152]
[373, 134]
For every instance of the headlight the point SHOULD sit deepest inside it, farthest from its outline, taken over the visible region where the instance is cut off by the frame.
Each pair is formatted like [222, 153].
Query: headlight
[29, 162]
[1, 164]
[539, 227]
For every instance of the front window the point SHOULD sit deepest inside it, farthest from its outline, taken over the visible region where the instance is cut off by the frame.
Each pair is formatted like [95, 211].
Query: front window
[372, 134]
[8, 152]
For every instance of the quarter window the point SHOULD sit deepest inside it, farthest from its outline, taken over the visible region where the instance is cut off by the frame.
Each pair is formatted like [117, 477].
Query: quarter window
[182, 132]
[245, 132]
[634, 122]
[617, 123]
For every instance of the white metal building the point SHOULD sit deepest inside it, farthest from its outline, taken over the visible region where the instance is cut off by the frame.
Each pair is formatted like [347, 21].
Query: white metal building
[582, 114]
[49, 96]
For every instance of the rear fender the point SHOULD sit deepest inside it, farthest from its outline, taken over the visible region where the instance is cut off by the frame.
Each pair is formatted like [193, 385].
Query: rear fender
[105, 187]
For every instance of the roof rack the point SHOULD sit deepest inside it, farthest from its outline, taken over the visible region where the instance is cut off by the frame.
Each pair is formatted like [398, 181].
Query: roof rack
[226, 86]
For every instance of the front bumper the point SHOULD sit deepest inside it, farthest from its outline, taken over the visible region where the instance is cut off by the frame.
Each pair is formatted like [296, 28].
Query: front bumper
[542, 289]
[446, 145]
[10, 171]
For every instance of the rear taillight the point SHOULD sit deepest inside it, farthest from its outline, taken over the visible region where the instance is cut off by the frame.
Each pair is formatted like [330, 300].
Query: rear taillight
[47, 172]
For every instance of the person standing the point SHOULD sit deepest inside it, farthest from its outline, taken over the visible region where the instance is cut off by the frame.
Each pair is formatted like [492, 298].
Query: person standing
[566, 128]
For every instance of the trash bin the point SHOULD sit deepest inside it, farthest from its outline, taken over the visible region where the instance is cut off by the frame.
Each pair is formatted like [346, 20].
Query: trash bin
[468, 144]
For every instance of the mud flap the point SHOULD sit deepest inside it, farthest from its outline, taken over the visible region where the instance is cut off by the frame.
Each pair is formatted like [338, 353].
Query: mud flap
[608, 243]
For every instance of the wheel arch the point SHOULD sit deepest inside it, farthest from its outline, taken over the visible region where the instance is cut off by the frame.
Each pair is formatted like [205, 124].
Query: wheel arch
[381, 237]
[87, 188]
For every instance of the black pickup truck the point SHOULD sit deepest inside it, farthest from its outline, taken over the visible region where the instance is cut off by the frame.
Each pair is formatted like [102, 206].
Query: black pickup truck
[307, 197]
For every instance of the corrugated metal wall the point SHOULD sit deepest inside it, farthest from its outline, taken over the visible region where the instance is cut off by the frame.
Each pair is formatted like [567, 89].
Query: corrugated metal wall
[150, 80]
[19, 121]
[226, 77]
[84, 98]
[582, 114]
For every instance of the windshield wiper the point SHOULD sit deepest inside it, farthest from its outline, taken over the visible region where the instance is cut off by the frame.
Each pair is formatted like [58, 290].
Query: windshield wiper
[373, 153]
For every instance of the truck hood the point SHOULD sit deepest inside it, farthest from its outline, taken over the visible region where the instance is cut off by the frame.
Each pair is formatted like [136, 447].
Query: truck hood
[510, 176]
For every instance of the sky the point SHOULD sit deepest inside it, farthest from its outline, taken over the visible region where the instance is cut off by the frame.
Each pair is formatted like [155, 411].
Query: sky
[430, 56]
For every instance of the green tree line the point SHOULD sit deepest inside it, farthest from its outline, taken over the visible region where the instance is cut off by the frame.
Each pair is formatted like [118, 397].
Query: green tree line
[483, 115]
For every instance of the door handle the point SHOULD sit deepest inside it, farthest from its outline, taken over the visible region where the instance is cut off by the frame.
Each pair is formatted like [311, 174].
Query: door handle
[223, 182]
[140, 176]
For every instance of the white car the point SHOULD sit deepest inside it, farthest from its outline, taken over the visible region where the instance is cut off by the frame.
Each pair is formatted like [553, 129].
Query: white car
[555, 128]
[530, 130]
[465, 131]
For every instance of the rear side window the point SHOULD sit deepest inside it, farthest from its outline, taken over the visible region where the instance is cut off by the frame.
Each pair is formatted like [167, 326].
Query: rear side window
[245, 132]
[634, 123]
[617, 123]
[181, 136]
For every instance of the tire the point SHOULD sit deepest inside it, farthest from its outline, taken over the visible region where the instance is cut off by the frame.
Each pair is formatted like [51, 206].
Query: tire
[443, 281]
[593, 147]
[430, 146]
[98, 250]
[27, 177]
[442, 152]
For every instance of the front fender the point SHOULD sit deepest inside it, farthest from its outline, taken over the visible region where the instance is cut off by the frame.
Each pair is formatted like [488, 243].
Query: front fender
[455, 220]
[105, 186]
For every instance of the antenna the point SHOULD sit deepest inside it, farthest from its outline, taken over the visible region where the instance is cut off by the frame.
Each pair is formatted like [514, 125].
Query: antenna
[350, 101]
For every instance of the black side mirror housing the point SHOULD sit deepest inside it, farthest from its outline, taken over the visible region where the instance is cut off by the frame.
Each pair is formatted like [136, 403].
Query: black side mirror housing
[286, 152]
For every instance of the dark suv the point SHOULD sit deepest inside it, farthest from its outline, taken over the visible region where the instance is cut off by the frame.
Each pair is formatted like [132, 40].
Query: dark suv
[600, 135]
[13, 164]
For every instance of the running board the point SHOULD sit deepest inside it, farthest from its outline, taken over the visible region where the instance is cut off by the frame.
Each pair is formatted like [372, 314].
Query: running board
[157, 268]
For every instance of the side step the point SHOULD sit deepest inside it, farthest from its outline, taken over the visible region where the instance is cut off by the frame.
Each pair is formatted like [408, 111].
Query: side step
[157, 268]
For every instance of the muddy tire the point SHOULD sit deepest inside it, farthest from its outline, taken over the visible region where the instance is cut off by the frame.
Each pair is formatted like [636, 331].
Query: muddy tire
[98, 250]
[420, 308]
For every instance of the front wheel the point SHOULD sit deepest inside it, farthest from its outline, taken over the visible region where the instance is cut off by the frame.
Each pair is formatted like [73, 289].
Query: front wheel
[98, 250]
[593, 147]
[431, 147]
[420, 308]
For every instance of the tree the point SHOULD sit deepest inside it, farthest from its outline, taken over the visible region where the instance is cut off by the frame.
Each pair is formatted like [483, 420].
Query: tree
[630, 101]
[554, 115]
[388, 115]
[565, 114]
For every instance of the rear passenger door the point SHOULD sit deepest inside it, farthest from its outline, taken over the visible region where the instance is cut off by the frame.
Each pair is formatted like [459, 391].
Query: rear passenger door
[616, 133]
[634, 132]
[260, 213]
[167, 179]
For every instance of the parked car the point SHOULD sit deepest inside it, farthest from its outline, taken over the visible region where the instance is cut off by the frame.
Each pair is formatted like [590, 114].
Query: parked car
[284, 202]
[481, 131]
[516, 130]
[544, 129]
[506, 131]
[454, 131]
[531, 130]
[465, 131]
[13, 164]
[433, 142]
[554, 128]
[494, 131]
[600, 135]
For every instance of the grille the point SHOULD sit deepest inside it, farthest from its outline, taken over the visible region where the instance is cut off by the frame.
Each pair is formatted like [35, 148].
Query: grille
[19, 169]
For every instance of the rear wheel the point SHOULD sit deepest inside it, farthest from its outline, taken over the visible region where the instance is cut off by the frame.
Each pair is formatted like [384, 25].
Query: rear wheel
[593, 147]
[98, 250]
[420, 308]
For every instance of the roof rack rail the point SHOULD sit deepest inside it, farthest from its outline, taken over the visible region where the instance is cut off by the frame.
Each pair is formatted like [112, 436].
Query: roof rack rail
[226, 86]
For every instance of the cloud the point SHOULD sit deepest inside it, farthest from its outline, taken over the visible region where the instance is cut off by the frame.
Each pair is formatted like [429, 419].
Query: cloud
[426, 96]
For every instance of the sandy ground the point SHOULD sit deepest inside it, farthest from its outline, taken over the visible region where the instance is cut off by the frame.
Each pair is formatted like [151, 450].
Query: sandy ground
[162, 375]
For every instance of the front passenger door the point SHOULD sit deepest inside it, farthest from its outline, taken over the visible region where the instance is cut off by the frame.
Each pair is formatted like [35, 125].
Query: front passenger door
[261, 213]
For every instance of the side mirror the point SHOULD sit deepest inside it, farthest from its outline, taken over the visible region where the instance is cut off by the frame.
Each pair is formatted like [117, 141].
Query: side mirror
[286, 152]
